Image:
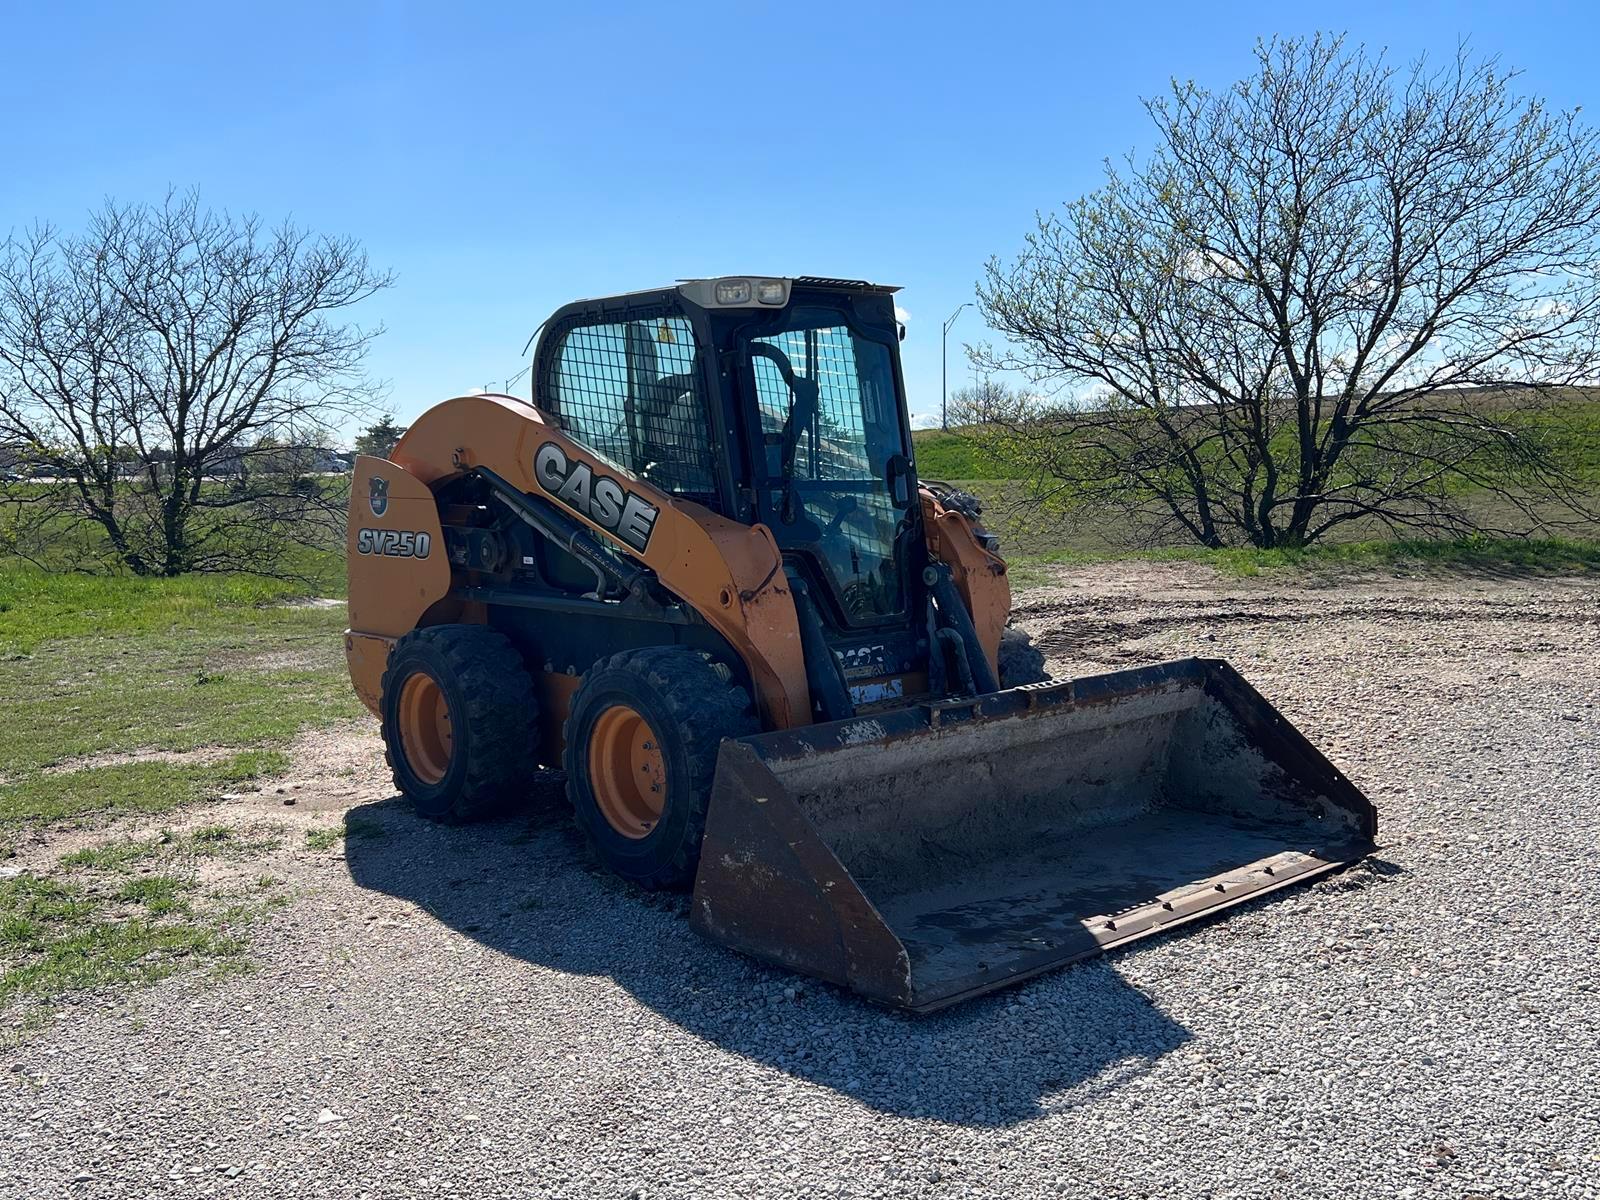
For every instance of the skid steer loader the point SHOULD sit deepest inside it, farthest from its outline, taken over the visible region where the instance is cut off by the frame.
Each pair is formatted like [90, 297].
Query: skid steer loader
[701, 575]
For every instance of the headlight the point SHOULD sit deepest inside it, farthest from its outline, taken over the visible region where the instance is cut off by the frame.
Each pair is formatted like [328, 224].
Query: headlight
[733, 291]
[770, 291]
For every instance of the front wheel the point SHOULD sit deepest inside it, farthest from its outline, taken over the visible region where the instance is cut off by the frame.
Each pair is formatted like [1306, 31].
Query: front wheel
[641, 750]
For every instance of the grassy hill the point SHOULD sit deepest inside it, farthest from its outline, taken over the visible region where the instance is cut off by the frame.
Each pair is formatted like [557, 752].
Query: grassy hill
[959, 456]
[955, 455]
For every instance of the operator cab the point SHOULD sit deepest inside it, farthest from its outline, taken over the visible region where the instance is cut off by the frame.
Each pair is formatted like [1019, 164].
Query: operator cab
[768, 400]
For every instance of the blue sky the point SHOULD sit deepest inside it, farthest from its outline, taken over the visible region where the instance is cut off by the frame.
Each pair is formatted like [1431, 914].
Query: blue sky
[503, 159]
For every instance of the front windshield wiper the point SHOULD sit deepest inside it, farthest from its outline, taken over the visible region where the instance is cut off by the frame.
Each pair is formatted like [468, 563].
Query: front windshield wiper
[803, 397]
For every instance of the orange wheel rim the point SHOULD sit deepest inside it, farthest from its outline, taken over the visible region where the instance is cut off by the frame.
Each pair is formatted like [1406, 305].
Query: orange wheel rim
[425, 733]
[628, 771]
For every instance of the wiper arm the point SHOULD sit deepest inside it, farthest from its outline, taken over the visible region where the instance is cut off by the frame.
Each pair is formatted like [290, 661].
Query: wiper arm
[803, 394]
[802, 411]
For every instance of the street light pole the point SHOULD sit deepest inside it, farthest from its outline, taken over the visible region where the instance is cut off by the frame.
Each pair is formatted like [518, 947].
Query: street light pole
[944, 369]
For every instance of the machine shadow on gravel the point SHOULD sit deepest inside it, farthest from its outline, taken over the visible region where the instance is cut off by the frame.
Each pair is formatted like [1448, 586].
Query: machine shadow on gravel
[526, 888]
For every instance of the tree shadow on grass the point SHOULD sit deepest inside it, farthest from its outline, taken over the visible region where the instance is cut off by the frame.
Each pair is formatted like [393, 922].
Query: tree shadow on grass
[527, 888]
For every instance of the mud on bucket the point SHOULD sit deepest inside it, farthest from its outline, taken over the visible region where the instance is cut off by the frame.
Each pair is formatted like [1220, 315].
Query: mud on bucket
[935, 852]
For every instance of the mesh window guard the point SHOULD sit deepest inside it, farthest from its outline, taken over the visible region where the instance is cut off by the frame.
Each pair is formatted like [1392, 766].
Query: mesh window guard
[632, 391]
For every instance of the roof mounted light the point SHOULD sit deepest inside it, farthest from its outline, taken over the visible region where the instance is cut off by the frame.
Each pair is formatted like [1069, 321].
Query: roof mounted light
[736, 291]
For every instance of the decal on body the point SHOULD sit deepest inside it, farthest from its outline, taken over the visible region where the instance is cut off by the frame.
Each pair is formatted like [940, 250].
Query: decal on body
[395, 543]
[863, 660]
[597, 497]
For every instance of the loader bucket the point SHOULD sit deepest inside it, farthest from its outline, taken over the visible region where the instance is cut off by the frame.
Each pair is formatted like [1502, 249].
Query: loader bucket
[935, 852]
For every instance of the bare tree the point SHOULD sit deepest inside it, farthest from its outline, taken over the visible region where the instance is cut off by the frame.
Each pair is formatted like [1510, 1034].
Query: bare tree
[176, 370]
[1273, 326]
[986, 401]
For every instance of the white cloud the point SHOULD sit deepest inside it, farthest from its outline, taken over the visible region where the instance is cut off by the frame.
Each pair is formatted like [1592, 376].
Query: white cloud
[924, 420]
[1198, 265]
[902, 315]
[1548, 307]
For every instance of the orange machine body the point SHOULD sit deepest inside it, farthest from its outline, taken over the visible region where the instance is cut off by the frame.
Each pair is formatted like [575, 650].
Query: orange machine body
[730, 574]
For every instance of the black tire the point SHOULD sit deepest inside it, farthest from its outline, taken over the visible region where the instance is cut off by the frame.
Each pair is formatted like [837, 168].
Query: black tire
[490, 706]
[1020, 660]
[688, 706]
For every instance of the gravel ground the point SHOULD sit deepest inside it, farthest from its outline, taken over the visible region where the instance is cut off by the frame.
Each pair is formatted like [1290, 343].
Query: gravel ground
[478, 1012]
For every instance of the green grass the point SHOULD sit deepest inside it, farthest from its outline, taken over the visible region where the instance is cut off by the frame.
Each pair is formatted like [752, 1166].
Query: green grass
[38, 606]
[160, 894]
[1060, 531]
[150, 787]
[363, 827]
[222, 841]
[103, 916]
[1569, 422]
[102, 699]
[1479, 555]
[103, 667]
[122, 855]
[1574, 429]
[1465, 556]
[955, 455]
[59, 935]
[325, 838]
[65, 544]
[138, 696]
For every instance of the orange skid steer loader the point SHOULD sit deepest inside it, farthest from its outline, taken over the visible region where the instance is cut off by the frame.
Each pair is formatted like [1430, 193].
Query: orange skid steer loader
[700, 574]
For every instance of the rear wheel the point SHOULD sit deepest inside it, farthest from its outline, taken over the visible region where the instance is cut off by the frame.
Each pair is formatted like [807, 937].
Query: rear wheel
[1020, 660]
[641, 750]
[458, 721]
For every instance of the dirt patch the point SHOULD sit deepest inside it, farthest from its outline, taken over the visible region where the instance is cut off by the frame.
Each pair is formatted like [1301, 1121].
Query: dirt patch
[282, 660]
[330, 770]
[205, 756]
[1118, 614]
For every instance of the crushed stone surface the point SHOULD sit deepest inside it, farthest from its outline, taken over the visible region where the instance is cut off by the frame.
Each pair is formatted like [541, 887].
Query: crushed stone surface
[478, 1011]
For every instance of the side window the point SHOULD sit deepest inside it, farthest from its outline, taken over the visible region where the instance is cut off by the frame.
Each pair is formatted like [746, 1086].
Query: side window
[632, 391]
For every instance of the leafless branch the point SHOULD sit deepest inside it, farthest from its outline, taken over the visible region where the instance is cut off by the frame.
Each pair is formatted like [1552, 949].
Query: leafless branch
[1286, 319]
[173, 371]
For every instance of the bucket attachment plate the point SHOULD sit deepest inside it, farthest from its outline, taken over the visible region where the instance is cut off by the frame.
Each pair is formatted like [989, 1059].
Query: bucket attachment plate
[935, 852]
